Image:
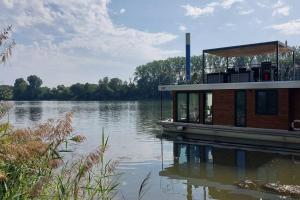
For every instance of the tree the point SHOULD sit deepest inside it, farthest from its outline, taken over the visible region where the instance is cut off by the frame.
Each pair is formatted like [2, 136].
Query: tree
[20, 89]
[61, 92]
[6, 92]
[33, 89]
[77, 91]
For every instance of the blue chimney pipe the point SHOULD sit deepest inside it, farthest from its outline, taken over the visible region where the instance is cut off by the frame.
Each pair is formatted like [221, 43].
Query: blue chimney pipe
[188, 57]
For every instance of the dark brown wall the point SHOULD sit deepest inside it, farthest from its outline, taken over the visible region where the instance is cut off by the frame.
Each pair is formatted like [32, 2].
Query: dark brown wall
[296, 103]
[295, 106]
[201, 108]
[224, 107]
[280, 121]
[174, 106]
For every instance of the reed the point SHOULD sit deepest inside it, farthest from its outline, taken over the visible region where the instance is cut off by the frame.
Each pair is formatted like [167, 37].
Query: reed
[32, 167]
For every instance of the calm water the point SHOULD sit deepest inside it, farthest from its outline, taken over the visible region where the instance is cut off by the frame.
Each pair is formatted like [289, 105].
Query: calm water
[179, 169]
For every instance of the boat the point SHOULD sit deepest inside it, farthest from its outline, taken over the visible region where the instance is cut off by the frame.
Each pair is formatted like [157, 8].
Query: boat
[258, 102]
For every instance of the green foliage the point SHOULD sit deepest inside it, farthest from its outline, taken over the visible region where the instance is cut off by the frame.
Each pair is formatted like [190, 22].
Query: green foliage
[6, 92]
[33, 89]
[20, 89]
[146, 80]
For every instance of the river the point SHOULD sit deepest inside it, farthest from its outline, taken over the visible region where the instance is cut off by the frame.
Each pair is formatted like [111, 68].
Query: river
[179, 169]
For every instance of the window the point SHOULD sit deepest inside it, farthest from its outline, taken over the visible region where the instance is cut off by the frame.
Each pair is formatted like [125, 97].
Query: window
[182, 107]
[193, 107]
[208, 108]
[266, 102]
[240, 108]
[188, 107]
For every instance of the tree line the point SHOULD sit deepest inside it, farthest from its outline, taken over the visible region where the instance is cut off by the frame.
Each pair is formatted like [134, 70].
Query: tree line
[147, 77]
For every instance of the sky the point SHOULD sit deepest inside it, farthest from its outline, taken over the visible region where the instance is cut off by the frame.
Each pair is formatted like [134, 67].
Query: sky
[70, 41]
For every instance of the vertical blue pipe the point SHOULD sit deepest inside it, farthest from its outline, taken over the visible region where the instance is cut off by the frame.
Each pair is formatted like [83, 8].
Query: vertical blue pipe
[188, 57]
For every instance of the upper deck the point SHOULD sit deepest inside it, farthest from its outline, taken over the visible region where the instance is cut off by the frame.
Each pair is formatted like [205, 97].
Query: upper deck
[259, 65]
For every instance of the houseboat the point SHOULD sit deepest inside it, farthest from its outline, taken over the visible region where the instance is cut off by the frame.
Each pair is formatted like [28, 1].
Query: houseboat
[259, 101]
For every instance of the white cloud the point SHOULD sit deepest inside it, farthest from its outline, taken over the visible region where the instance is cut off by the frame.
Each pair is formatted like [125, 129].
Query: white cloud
[258, 21]
[76, 31]
[122, 10]
[246, 12]
[228, 3]
[26, 14]
[280, 8]
[260, 4]
[195, 12]
[288, 28]
[230, 24]
[182, 28]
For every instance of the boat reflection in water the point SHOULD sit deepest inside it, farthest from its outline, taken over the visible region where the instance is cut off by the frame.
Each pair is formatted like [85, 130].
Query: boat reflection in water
[214, 169]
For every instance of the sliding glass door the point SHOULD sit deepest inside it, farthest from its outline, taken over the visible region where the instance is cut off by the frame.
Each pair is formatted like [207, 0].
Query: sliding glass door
[188, 107]
[193, 107]
[208, 112]
[182, 107]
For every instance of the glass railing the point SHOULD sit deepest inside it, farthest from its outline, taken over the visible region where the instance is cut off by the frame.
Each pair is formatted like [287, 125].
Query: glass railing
[253, 73]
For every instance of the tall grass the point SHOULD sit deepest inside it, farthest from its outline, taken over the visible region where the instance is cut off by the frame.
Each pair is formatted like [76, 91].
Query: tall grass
[32, 167]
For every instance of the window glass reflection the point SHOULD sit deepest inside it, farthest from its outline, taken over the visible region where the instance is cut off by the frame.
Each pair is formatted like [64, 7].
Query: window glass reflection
[194, 107]
[208, 108]
[182, 107]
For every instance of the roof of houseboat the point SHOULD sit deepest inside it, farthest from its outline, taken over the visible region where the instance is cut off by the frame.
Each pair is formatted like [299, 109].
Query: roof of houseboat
[231, 86]
[250, 49]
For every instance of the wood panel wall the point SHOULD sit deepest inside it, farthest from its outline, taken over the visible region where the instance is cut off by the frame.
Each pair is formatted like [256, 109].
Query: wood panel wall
[224, 107]
[279, 121]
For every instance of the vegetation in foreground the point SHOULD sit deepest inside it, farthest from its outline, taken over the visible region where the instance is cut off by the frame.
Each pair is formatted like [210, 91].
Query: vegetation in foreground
[32, 166]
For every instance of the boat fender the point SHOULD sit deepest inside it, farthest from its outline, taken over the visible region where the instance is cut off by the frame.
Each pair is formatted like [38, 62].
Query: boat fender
[293, 125]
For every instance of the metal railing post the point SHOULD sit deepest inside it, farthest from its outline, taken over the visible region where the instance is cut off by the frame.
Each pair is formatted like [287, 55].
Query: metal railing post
[294, 67]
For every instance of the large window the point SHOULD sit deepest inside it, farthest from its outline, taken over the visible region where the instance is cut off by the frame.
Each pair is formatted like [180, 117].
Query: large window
[266, 102]
[240, 108]
[182, 107]
[193, 107]
[187, 107]
[208, 108]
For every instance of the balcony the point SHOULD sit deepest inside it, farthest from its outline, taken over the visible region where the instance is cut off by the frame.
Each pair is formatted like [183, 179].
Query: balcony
[270, 66]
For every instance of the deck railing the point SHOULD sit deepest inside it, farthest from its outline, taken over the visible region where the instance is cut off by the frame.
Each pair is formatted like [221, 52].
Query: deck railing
[253, 73]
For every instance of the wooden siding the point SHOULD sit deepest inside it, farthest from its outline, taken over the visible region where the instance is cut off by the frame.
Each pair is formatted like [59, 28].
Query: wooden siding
[224, 107]
[296, 103]
[279, 121]
[174, 106]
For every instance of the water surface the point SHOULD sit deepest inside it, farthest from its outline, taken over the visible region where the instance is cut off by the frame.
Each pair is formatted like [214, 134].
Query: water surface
[179, 169]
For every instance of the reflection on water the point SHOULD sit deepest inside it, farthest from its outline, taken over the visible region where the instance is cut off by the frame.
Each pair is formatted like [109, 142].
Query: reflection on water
[33, 110]
[179, 169]
[216, 169]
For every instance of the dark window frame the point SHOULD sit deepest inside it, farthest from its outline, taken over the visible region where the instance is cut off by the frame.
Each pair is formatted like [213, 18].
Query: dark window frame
[267, 110]
[235, 108]
[188, 106]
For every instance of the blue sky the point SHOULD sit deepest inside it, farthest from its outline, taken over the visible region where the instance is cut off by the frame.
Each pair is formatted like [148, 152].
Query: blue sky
[70, 41]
